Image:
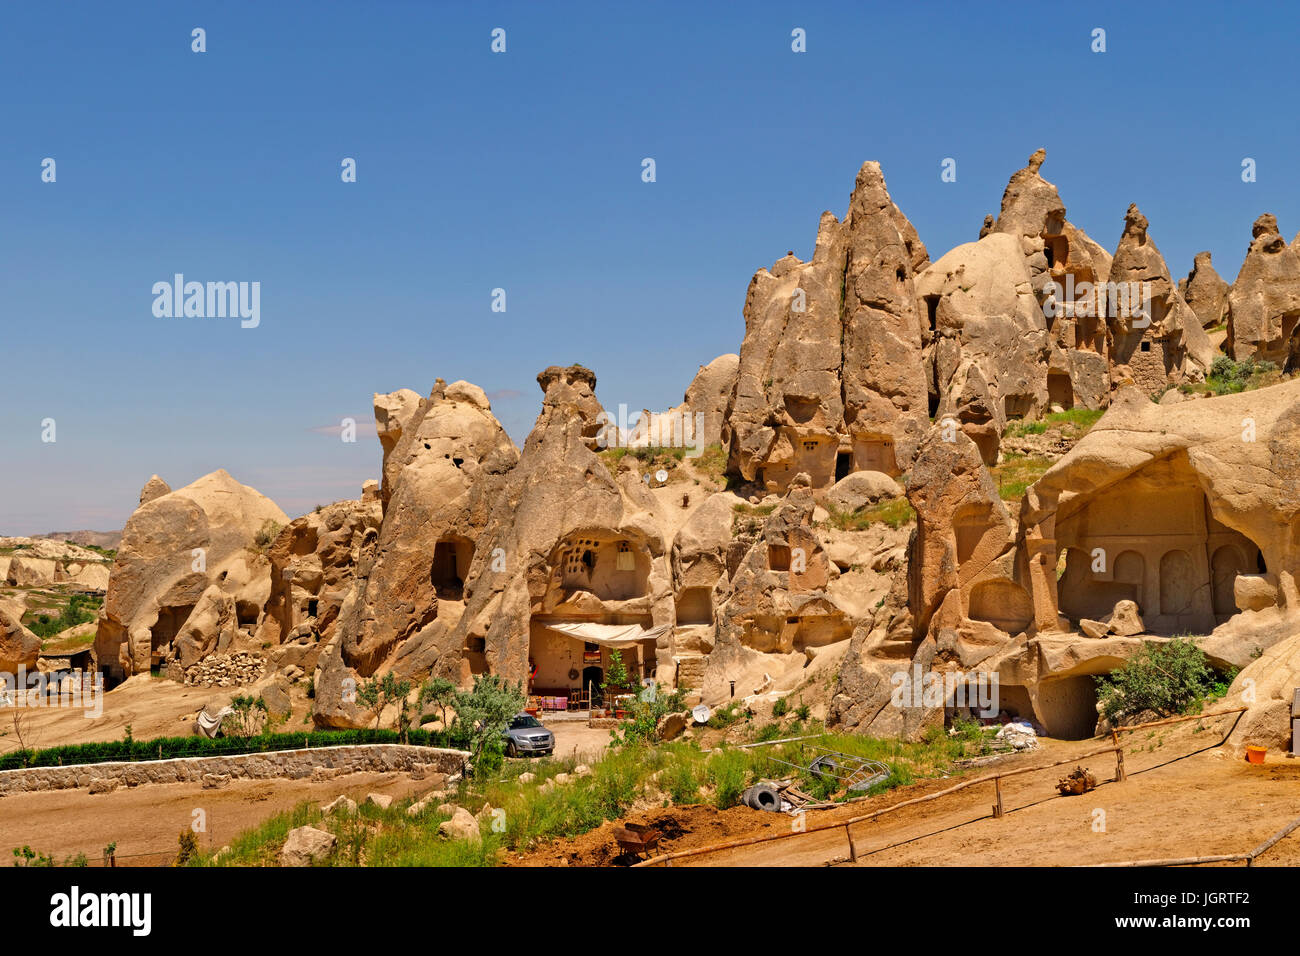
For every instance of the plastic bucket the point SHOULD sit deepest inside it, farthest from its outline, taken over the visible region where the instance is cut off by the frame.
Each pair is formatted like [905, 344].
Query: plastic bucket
[1256, 754]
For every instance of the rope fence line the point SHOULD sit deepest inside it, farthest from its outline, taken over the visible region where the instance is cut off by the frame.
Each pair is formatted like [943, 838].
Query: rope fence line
[1121, 774]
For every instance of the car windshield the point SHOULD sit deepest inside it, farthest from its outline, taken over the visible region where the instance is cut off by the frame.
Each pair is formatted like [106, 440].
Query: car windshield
[519, 723]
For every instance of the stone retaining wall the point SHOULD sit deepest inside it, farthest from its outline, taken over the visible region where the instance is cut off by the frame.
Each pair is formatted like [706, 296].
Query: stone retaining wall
[320, 762]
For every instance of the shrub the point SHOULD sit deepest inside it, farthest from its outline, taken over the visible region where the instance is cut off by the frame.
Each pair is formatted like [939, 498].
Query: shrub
[266, 535]
[187, 846]
[248, 718]
[377, 693]
[1166, 678]
[484, 713]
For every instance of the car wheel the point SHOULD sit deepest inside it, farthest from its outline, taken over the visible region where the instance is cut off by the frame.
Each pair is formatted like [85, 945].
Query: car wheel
[512, 750]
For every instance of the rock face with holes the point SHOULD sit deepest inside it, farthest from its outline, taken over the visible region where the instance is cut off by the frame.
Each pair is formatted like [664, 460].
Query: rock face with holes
[830, 377]
[987, 342]
[409, 580]
[1168, 506]
[1264, 303]
[1066, 269]
[775, 610]
[314, 562]
[565, 541]
[1161, 521]
[190, 576]
[1155, 336]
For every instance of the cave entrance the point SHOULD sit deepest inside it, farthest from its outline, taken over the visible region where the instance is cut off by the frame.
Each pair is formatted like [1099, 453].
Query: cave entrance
[170, 620]
[932, 311]
[1060, 391]
[695, 606]
[843, 464]
[1293, 348]
[447, 573]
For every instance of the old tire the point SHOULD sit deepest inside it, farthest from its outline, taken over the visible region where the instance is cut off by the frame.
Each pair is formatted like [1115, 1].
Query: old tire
[763, 796]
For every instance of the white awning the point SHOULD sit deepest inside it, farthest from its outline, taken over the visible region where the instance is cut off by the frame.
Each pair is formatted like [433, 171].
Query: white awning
[610, 635]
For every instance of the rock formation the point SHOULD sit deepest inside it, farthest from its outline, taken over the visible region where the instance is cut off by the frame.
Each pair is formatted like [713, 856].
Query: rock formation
[1205, 292]
[444, 470]
[697, 423]
[830, 378]
[19, 647]
[1264, 302]
[866, 374]
[1155, 336]
[565, 541]
[189, 577]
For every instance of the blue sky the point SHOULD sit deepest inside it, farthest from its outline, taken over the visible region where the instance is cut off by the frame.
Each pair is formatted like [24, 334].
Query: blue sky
[523, 171]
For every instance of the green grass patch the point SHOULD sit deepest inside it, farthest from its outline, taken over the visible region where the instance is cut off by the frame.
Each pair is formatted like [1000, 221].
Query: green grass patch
[75, 609]
[1016, 473]
[894, 512]
[1228, 377]
[539, 810]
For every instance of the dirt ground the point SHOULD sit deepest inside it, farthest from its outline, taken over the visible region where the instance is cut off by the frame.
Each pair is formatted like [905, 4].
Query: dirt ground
[153, 707]
[145, 821]
[574, 738]
[1182, 798]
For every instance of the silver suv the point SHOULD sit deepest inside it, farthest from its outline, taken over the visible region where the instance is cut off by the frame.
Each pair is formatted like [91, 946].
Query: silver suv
[526, 735]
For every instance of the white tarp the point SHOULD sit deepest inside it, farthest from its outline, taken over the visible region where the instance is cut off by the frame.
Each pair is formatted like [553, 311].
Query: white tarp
[208, 724]
[610, 635]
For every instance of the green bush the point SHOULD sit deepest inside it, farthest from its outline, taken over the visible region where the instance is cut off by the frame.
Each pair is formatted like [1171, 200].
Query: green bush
[1170, 678]
[1228, 377]
[81, 609]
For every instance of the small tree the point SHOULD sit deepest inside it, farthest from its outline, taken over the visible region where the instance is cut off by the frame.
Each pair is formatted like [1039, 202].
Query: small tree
[1165, 678]
[377, 693]
[484, 712]
[618, 679]
[438, 691]
[247, 720]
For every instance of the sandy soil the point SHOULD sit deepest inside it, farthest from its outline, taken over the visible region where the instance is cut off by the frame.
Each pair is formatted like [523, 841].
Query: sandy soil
[573, 738]
[152, 706]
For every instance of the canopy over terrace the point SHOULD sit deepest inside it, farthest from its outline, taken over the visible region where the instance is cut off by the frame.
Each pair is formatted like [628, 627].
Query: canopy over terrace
[568, 659]
[613, 636]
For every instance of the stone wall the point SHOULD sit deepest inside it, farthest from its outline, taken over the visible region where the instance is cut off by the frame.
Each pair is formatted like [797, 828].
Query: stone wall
[320, 762]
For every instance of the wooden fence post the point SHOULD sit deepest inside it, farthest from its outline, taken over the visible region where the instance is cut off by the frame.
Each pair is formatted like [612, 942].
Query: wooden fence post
[853, 850]
[997, 807]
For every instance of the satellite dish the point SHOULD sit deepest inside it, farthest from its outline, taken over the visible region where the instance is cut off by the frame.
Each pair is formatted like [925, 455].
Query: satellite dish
[701, 714]
[661, 476]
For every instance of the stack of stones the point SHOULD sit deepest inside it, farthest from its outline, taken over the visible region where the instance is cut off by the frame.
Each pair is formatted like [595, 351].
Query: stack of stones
[223, 670]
